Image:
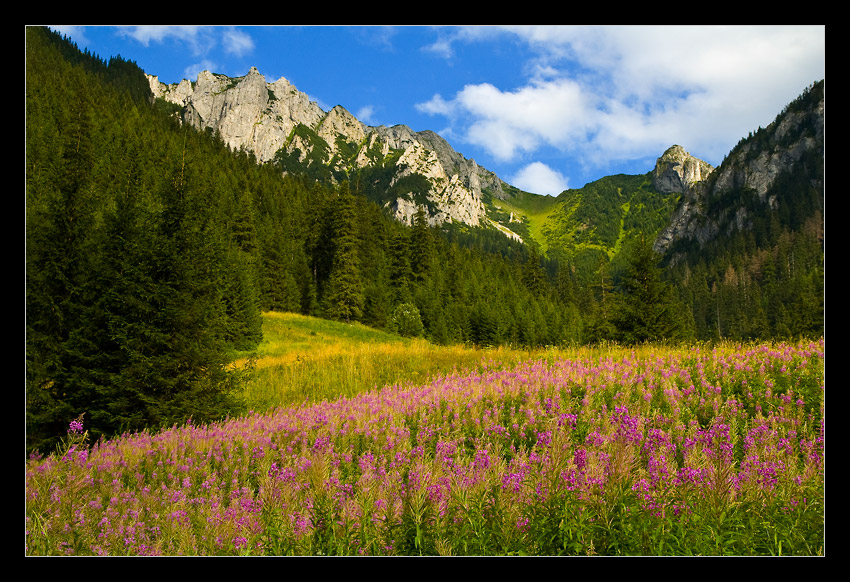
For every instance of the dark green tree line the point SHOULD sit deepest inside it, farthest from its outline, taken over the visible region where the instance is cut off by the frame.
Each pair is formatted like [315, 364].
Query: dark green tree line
[136, 288]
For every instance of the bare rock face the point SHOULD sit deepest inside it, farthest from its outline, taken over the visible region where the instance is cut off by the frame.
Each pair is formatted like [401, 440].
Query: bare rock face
[339, 122]
[247, 112]
[251, 114]
[454, 200]
[677, 171]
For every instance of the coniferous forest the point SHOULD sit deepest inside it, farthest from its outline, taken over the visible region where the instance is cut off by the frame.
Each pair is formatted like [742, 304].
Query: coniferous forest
[152, 250]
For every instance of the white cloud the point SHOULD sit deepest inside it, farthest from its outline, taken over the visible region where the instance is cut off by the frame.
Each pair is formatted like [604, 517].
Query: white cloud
[436, 106]
[552, 113]
[441, 47]
[201, 40]
[191, 72]
[538, 178]
[145, 34]
[620, 92]
[447, 36]
[237, 42]
[365, 114]
[507, 123]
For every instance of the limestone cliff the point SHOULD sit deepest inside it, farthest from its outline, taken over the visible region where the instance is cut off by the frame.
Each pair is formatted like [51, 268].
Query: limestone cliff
[252, 114]
[247, 112]
[793, 144]
[453, 199]
[677, 171]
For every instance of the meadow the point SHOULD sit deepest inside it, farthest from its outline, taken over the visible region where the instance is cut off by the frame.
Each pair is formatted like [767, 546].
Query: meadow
[363, 443]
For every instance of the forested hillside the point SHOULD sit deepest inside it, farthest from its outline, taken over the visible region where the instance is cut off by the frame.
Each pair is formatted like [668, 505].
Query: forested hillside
[763, 275]
[591, 225]
[152, 250]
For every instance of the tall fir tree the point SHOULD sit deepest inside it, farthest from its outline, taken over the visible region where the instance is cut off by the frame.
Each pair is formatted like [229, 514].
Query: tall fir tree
[646, 308]
[600, 326]
[401, 272]
[343, 297]
[421, 245]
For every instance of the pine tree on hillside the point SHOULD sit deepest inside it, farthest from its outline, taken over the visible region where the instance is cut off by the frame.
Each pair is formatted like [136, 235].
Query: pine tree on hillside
[597, 300]
[533, 274]
[646, 308]
[401, 272]
[421, 245]
[343, 297]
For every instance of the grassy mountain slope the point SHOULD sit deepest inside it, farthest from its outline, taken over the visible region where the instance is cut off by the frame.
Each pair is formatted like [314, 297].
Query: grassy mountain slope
[525, 214]
[586, 225]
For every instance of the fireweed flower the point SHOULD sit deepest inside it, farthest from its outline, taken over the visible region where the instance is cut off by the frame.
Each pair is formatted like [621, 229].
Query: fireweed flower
[539, 433]
[580, 459]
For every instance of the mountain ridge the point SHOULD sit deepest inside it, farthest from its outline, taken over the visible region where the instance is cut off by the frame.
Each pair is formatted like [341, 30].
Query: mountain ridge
[264, 118]
[406, 170]
[280, 124]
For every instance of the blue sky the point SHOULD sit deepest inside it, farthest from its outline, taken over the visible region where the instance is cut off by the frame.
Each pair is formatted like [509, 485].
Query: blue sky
[545, 107]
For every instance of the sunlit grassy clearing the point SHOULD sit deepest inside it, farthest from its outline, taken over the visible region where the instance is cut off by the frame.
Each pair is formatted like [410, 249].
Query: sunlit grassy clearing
[536, 212]
[304, 358]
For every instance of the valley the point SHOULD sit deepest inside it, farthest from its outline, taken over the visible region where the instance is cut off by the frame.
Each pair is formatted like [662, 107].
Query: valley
[254, 327]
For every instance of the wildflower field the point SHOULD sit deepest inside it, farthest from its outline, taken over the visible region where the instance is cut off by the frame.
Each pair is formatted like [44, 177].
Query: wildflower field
[696, 450]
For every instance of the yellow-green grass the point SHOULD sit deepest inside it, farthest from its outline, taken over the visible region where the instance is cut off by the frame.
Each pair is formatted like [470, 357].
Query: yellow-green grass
[305, 358]
[536, 210]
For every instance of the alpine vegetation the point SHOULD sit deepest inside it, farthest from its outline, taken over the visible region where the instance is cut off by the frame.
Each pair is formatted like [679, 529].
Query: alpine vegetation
[646, 451]
[254, 327]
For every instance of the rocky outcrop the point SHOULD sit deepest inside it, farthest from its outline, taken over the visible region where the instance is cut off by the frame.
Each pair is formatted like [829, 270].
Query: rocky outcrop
[677, 171]
[340, 123]
[453, 199]
[752, 167]
[251, 114]
[247, 112]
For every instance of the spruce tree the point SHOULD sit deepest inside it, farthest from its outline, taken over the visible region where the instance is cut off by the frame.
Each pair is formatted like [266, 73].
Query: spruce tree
[421, 245]
[344, 297]
[646, 307]
[533, 274]
[599, 308]
[401, 273]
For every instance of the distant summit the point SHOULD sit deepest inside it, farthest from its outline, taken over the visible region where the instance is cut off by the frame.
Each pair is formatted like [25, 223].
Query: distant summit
[677, 170]
[279, 124]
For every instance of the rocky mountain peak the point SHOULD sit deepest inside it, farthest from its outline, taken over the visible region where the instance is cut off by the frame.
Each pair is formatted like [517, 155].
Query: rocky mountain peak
[677, 170]
[793, 144]
[247, 112]
[252, 114]
[339, 122]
